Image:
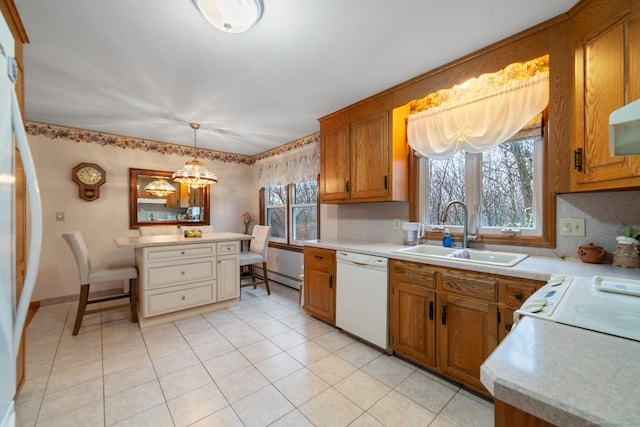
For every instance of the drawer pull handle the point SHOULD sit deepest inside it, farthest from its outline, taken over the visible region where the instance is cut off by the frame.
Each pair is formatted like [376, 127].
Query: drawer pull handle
[444, 315]
[518, 295]
[318, 257]
[430, 310]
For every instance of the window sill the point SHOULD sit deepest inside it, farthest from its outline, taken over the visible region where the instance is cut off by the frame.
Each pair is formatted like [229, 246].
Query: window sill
[286, 247]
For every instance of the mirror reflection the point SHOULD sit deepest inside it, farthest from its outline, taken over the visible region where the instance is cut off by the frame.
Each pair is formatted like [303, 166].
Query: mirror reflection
[156, 199]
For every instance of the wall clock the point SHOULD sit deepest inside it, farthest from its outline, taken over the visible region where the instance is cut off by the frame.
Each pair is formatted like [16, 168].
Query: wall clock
[89, 177]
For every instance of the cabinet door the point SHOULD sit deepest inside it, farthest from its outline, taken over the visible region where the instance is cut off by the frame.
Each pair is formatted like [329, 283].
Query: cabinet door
[334, 163]
[228, 277]
[370, 156]
[607, 67]
[467, 334]
[319, 283]
[412, 322]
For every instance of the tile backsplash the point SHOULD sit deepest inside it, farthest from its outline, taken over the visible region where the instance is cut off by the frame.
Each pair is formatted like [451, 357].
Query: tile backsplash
[606, 214]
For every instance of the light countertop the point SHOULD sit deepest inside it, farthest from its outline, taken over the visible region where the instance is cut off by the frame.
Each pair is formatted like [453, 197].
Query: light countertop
[566, 375]
[177, 239]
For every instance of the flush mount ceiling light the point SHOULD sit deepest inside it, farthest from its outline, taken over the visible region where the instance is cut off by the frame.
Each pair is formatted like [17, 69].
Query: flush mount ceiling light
[159, 187]
[195, 174]
[231, 16]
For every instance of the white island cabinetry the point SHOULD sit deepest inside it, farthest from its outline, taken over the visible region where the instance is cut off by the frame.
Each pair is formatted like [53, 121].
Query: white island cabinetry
[228, 270]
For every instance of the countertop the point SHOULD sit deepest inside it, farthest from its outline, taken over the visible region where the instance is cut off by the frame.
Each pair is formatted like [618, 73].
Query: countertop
[178, 239]
[532, 267]
[565, 375]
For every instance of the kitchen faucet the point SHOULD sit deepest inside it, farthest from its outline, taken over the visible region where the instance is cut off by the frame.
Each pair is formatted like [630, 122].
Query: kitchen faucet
[465, 223]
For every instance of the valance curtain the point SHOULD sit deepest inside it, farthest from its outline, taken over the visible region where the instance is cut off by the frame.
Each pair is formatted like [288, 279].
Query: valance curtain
[297, 165]
[481, 117]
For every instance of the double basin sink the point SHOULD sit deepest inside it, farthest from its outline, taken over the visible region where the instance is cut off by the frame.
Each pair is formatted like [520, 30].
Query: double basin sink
[473, 256]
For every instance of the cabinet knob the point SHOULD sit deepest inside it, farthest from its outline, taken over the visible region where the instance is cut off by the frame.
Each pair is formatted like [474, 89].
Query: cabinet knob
[508, 327]
[518, 295]
[183, 298]
[182, 253]
[182, 272]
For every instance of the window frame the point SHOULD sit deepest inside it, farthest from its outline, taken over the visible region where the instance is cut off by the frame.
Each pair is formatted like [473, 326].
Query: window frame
[288, 242]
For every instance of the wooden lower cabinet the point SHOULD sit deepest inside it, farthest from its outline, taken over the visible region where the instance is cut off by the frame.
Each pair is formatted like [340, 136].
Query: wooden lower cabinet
[467, 334]
[412, 310]
[509, 416]
[320, 283]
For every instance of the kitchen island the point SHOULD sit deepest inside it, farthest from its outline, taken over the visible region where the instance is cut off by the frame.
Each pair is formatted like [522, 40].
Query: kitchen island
[181, 276]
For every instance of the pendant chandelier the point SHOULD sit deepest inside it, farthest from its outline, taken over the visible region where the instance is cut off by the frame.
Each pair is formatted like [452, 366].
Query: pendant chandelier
[159, 187]
[195, 174]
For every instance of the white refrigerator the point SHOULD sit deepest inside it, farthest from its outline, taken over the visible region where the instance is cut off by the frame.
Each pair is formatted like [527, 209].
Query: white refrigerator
[13, 313]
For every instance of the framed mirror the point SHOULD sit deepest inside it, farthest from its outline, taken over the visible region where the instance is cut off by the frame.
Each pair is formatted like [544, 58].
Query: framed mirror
[155, 199]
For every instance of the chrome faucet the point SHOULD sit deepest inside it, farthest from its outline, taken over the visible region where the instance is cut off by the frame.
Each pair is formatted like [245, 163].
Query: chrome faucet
[465, 224]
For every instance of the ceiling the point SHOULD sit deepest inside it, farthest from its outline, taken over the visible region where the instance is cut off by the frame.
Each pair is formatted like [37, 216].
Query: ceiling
[146, 68]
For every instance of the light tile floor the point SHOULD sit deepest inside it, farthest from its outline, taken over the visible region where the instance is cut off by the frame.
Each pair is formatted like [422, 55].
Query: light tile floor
[261, 362]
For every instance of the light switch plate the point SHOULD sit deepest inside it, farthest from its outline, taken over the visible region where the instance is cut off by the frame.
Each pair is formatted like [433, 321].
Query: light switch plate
[397, 223]
[572, 227]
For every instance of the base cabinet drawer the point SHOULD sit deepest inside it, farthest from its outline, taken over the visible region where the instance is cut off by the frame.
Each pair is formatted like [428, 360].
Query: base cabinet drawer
[174, 298]
[171, 253]
[183, 272]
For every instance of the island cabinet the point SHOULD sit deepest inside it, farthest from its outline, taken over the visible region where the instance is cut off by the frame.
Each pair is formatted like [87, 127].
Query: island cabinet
[605, 36]
[412, 323]
[228, 270]
[359, 161]
[319, 283]
[450, 320]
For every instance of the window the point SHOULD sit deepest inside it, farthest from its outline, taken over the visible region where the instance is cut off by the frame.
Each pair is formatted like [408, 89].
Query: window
[292, 212]
[501, 188]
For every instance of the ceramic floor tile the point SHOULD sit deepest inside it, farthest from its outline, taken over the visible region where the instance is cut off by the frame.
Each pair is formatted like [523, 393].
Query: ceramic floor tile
[366, 420]
[278, 366]
[294, 418]
[262, 407]
[203, 336]
[331, 408]
[158, 349]
[74, 359]
[387, 370]
[272, 328]
[27, 412]
[333, 341]
[289, 339]
[115, 348]
[157, 416]
[296, 320]
[62, 379]
[427, 392]
[132, 401]
[313, 328]
[85, 415]
[301, 386]
[440, 421]
[196, 405]
[129, 378]
[260, 351]
[192, 324]
[223, 418]
[70, 398]
[397, 410]
[213, 348]
[226, 364]
[332, 369]
[243, 338]
[258, 319]
[125, 360]
[358, 354]
[180, 382]
[308, 352]
[463, 410]
[175, 362]
[362, 389]
[242, 383]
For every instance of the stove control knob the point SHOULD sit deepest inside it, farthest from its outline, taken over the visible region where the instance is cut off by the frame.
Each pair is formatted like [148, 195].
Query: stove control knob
[542, 301]
[533, 308]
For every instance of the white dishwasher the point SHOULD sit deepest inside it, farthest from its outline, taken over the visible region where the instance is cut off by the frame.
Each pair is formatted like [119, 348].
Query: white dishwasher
[362, 297]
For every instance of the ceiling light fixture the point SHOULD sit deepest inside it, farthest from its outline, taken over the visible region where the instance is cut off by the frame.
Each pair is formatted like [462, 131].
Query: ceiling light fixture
[231, 16]
[195, 174]
[159, 187]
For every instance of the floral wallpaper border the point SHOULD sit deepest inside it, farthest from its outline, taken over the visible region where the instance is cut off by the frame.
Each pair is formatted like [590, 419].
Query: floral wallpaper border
[105, 139]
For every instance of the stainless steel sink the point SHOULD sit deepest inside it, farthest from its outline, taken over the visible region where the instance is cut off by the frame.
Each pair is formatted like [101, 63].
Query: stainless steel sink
[475, 256]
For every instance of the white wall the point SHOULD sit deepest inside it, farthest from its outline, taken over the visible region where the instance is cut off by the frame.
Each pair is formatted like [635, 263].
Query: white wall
[101, 220]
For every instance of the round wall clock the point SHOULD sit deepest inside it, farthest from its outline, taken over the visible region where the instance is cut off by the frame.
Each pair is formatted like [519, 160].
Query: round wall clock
[89, 177]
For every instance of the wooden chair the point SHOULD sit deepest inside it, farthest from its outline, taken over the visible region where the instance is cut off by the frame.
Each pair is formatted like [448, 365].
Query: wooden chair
[158, 230]
[100, 273]
[256, 254]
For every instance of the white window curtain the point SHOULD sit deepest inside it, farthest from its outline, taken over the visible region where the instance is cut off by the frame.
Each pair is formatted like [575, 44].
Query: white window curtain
[297, 165]
[480, 121]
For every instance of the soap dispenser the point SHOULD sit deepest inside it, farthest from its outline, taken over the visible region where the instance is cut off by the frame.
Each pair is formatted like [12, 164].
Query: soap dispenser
[446, 240]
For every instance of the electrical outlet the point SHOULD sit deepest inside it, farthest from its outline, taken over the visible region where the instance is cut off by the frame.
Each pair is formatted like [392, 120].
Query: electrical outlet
[572, 227]
[59, 216]
[397, 223]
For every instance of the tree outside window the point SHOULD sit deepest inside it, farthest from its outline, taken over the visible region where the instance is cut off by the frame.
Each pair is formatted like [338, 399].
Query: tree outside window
[292, 212]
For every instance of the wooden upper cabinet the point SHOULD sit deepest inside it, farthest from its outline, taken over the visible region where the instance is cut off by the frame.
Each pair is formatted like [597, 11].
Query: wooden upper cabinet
[359, 162]
[606, 37]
